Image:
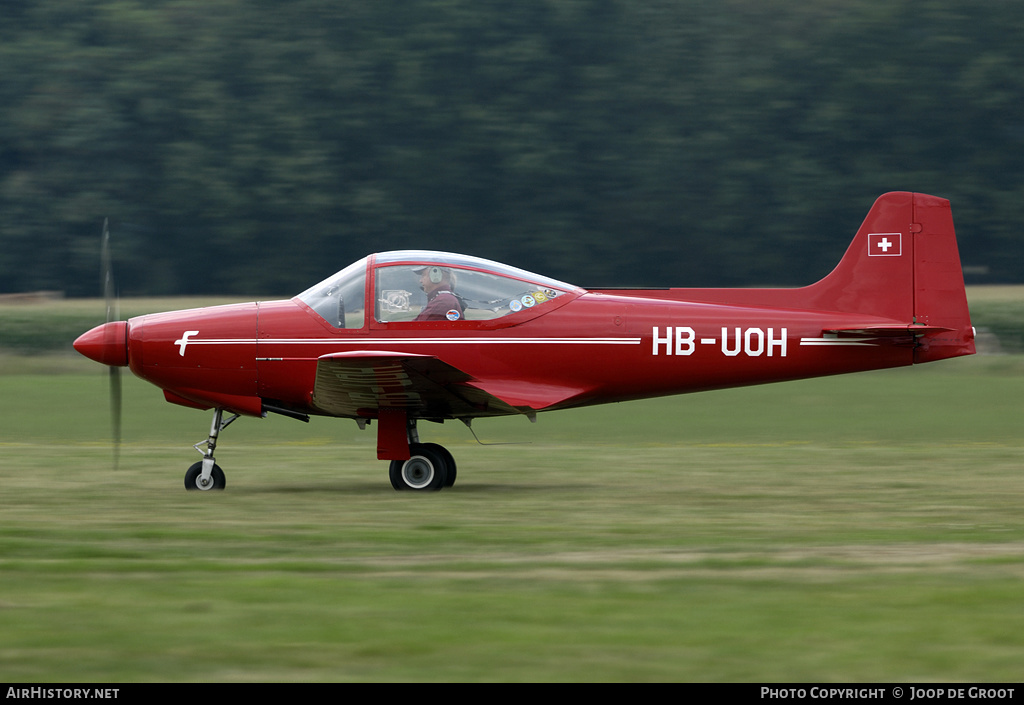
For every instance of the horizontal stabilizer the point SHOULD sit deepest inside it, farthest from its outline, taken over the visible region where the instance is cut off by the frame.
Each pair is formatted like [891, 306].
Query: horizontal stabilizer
[889, 331]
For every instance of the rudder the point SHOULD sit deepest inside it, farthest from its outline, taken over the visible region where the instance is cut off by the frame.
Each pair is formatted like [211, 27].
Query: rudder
[940, 299]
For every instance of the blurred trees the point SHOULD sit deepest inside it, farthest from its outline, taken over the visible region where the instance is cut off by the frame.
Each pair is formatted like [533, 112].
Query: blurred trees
[255, 147]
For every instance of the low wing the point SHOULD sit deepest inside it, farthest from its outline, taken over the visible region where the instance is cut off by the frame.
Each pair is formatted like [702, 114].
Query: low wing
[358, 384]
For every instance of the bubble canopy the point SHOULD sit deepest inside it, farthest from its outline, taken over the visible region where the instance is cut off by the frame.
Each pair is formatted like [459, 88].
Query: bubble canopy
[484, 290]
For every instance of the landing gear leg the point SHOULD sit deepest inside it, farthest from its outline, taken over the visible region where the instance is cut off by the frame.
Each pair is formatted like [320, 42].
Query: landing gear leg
[430, 466]
[206, 474]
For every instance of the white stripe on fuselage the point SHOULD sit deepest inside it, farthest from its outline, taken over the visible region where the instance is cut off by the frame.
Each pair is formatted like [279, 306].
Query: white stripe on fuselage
[360, 342]
[187, 340]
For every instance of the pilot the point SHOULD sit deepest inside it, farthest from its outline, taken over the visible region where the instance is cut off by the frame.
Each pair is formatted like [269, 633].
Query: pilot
[442, 304]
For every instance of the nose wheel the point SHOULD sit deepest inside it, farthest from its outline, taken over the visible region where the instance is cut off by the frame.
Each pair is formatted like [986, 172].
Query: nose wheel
[206, 474]
[194, 478]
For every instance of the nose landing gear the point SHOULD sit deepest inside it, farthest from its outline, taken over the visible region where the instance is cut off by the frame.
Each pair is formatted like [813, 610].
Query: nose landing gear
[206, 474]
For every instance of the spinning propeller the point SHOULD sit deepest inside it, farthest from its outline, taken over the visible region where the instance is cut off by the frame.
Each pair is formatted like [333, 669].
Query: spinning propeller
[113, 314]
[108, 343]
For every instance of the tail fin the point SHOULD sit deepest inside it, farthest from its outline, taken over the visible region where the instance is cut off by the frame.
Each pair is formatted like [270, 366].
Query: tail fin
[904, 265]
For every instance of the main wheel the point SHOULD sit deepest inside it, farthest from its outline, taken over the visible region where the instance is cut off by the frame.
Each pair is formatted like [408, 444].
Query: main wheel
[449, 462]
[217, 479]
[425, 470]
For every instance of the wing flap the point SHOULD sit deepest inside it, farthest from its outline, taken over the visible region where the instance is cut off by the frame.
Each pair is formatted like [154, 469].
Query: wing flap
[358, 384]
[531, 396]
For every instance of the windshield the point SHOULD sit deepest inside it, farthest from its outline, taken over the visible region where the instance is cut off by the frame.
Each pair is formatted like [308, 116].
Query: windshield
[340, 300]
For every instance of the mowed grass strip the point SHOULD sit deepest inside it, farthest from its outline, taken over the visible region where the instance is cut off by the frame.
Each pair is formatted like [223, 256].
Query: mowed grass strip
[745, 564]
[854, 528]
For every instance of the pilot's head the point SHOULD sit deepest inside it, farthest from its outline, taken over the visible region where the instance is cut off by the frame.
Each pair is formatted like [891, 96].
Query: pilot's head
[433, 278]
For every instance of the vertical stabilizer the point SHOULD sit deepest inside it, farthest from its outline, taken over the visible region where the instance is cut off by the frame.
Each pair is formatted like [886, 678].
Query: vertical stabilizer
[904, 265]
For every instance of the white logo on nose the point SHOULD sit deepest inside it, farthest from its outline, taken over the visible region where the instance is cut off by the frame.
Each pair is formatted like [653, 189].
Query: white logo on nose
[183, 341]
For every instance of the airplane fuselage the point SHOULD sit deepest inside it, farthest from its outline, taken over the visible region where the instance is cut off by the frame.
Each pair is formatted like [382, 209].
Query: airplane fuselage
[597, 348]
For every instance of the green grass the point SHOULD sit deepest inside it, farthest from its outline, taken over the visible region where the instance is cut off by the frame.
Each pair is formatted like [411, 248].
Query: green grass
[859, 528]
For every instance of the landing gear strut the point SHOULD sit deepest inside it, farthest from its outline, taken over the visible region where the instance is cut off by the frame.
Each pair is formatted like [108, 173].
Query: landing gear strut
[430, 466]
[206, 474]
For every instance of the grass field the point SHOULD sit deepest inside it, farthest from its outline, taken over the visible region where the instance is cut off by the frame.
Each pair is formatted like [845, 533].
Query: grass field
[857, 528]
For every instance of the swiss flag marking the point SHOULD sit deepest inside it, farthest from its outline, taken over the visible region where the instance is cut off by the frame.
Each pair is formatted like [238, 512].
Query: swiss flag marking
[885, 244]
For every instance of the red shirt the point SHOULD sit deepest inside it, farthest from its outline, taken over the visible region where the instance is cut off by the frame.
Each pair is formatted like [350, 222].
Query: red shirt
[439, 303]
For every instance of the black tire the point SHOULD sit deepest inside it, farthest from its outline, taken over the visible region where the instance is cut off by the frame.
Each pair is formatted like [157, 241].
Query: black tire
[449, 462]
[192, 478]
[424, 471]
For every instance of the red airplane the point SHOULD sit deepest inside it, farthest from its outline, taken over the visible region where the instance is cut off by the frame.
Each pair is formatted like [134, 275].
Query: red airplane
[402, 336]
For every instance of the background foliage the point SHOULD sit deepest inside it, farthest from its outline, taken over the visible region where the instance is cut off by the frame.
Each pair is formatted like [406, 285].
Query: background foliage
[255, 147]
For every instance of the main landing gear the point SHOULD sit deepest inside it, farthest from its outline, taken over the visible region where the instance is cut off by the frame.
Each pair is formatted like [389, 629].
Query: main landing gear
[430, 466]
[206, 474]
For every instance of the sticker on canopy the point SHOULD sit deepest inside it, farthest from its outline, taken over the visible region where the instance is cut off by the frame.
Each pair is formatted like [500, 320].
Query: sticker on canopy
[540, 297]
[528, 301]
[515, 305]
[395, 300]
[453, 314]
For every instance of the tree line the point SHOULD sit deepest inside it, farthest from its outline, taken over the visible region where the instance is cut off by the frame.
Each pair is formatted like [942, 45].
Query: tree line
[256, 147]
